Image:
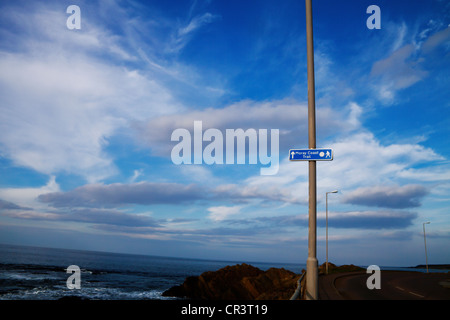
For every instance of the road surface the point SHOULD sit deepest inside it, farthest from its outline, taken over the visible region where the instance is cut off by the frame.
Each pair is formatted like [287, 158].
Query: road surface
[395, 285]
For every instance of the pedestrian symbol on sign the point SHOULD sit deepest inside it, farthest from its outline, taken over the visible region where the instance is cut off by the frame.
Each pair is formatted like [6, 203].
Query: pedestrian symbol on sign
[311, 154]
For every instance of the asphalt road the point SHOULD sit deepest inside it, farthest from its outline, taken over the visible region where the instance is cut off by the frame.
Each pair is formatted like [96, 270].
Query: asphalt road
[395, 285]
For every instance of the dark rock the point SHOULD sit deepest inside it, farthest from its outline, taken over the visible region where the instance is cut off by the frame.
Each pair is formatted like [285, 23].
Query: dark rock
[332, 268]
[238, 282]
[72, 298]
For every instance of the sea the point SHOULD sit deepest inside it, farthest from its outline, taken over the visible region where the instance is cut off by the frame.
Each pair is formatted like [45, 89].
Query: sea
[36, 273]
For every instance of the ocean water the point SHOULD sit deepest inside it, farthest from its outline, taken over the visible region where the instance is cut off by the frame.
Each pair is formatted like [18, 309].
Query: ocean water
[32, 273]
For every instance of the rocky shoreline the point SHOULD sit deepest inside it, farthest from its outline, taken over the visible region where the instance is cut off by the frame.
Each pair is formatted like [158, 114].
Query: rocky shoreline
[238, 282]
[245, 282]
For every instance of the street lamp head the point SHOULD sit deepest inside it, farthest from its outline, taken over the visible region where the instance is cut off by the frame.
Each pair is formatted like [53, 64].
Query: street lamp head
[428, 222]
[335, 191]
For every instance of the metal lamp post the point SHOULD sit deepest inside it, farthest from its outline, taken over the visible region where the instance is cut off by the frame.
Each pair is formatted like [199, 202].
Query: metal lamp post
[326, 222]
[425, 241]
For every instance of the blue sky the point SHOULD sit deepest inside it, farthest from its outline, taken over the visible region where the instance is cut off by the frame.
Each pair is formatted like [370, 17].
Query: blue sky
[86, 118]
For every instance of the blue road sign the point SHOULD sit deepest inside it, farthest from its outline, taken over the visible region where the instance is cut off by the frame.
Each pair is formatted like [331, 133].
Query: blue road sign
[311, 154]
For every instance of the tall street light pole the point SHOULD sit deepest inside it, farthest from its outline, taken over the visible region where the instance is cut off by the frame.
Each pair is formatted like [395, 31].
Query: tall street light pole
[312, 274]
[425, 241]
[326, 221]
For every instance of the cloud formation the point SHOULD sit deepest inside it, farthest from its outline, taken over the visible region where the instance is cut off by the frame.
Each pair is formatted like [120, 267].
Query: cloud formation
[6, 205]
[183, 34]
[87, 216]
[363, 220]
[220, 213]
[396, 72]
[405, 64]
[118, 194]
[287, 115]
[370, 220]
[394, 197]
[60, 103]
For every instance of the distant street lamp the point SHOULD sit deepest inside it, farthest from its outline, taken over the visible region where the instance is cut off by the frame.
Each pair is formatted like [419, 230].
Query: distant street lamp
[326, 201]
[425, 241]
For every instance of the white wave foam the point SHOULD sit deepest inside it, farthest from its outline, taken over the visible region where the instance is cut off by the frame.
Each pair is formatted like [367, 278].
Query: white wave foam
[86, 293]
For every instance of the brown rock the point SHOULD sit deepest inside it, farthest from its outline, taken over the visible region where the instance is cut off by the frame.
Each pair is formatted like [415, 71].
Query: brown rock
[238, 282]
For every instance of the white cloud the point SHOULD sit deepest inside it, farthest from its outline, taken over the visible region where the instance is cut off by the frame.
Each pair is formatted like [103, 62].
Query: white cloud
[401, 34]
[59, 103]
[196, 23]
[429, 174]
[183, 34]
[57, 115]
[27, 197]
[360, 160]
[223, 212]
[136, 174]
